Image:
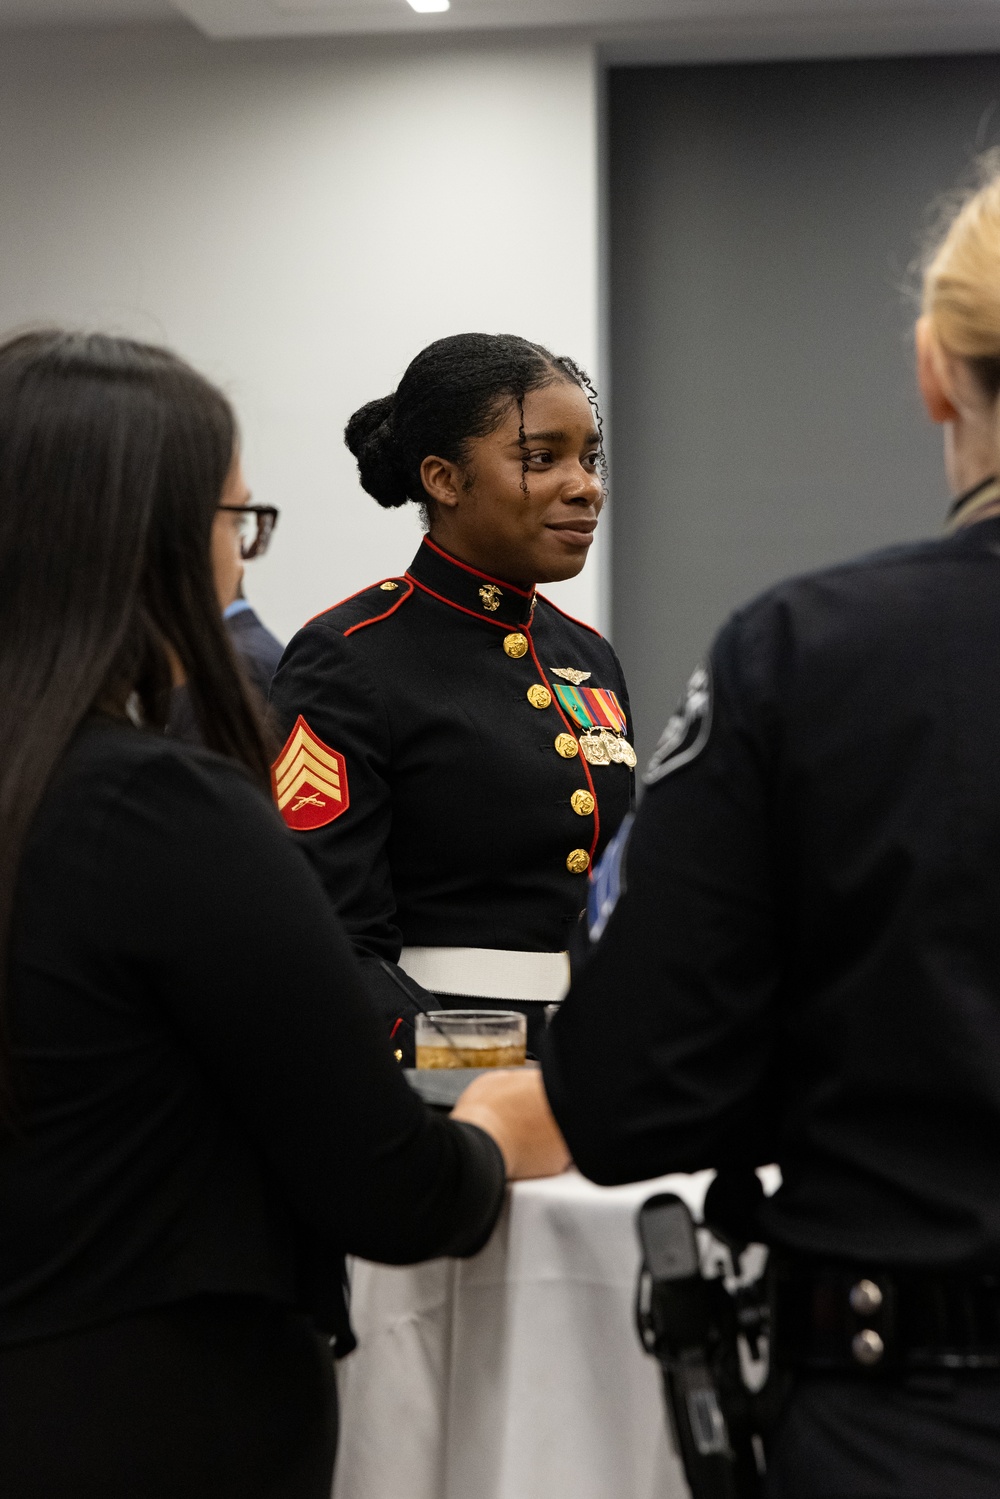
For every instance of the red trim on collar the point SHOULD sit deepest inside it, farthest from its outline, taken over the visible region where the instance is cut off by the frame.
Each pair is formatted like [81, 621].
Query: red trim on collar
[500, 583]
[376, 617]
[582, 758]
[571, 617]
[472, 613]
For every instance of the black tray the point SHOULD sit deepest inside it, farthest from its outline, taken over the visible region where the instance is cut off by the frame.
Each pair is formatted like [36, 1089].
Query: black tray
[441, 1086]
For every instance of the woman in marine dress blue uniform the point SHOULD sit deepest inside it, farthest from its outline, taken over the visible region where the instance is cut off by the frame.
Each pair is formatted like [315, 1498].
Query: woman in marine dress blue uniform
[457, 750]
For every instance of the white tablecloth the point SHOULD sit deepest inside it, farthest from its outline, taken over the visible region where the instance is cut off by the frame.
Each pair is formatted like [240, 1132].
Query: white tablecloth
[517, 1374]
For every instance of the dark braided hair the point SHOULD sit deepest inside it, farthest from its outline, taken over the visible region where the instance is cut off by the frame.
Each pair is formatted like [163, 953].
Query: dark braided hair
[577, 373]
[455, 389]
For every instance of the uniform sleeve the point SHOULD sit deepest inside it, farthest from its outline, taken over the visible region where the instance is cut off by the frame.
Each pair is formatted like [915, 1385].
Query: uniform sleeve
[326, 682]
[659, 1058]
[265, 993]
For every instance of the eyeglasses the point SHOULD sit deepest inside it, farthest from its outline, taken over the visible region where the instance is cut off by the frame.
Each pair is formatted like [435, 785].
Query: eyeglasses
[256, 524]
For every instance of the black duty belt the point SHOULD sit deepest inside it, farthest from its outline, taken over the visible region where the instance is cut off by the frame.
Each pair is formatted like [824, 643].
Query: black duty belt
[836, 1318]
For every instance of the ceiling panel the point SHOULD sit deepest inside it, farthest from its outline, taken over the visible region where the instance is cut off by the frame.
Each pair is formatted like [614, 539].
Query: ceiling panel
[630, 30]
[26, 13]
[232, 18]
[298, 17]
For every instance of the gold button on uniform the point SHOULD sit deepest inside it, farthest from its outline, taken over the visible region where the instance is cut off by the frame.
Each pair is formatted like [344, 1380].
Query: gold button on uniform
[516, 645]
[567, 746]
[578, 861]
[388, 587]
[582, 803]
[539, 696]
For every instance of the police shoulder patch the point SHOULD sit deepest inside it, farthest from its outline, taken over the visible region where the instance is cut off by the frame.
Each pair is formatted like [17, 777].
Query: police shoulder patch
[607, 883]
[687, 730]
[309, 780]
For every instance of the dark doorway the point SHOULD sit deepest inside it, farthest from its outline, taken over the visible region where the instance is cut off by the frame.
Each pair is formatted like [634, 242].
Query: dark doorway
[764, 417]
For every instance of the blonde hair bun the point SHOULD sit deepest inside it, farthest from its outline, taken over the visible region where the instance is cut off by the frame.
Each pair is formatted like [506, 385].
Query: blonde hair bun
[961, 281]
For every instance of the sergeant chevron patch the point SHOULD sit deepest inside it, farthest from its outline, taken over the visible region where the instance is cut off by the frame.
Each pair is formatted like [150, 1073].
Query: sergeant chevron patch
[309, 780]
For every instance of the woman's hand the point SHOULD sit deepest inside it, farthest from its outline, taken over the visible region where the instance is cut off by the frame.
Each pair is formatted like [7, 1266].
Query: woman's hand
[512, 1107]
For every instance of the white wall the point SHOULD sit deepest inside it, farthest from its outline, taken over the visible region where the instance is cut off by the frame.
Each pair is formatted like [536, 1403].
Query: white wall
[299, 219]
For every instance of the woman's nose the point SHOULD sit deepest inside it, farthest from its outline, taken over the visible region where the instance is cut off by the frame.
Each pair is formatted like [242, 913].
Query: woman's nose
[586, 486]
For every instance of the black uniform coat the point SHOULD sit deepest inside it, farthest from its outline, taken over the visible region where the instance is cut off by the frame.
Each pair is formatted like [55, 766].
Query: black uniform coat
[455, 821]
[805, 961]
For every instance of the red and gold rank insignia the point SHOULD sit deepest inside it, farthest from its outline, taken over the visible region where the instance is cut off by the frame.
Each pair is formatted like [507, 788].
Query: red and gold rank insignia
[309, 780]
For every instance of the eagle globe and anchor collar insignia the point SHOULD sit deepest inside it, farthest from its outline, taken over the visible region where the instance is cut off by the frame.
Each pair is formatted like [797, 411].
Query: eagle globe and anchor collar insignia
[466, 588]
[309, 780]
[600, 715]
[687, 730]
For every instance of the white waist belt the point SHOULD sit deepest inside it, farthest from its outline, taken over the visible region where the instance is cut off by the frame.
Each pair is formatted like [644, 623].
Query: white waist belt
[489, 972]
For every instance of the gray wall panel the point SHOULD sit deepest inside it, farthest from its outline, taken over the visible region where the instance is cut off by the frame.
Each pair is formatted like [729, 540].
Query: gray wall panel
[764, 413]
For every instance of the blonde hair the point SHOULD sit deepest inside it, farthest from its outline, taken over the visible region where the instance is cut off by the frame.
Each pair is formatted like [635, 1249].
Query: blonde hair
[961, 279]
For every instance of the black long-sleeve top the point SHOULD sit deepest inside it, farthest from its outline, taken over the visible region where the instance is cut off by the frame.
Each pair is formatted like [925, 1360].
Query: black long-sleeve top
[804, 965]
[206, 1102]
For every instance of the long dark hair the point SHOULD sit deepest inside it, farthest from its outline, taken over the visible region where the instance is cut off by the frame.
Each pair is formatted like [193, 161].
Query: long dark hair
[113, 457]
[455, 389]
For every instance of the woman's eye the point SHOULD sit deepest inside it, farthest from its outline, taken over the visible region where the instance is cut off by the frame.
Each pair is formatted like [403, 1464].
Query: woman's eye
[540, 456]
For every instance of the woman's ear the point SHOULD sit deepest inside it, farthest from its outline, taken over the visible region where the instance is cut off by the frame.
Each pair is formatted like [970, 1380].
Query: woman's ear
[932, 374]
[443, 481]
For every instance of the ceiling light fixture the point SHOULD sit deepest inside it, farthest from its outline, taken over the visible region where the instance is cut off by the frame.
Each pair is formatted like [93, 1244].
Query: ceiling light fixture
[426, 6]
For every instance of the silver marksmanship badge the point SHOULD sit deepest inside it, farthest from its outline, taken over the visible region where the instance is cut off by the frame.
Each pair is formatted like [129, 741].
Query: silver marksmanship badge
[687, 730]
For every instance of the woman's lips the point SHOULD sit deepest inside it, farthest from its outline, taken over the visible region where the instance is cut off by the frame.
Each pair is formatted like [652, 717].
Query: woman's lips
[581, 534]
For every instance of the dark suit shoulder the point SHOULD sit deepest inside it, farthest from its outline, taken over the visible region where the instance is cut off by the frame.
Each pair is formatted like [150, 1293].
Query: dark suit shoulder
[260, 650]
[370, 606]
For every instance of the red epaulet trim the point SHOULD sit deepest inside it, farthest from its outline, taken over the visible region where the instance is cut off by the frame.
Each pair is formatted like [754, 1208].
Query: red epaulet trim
[384, 615]
[571, 617]
[357, 595]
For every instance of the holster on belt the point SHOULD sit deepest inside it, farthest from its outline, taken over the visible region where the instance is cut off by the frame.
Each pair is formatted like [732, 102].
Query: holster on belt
[693, 1326]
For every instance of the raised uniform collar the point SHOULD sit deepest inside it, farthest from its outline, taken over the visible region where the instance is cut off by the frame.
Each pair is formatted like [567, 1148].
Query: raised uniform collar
[977, 504]
[436, 572]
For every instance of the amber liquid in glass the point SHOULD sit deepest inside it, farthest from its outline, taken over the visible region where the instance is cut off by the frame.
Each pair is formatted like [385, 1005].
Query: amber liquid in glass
[443, 1055]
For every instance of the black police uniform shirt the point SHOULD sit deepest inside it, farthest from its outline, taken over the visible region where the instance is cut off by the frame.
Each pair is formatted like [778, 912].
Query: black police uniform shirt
[802, 964]
[454, 808]
[205, 1101]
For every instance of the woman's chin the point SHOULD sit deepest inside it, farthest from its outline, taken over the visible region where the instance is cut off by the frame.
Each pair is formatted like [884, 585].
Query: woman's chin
[560, 569]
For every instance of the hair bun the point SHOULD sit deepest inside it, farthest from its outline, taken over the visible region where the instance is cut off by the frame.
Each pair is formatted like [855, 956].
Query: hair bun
[369, 435]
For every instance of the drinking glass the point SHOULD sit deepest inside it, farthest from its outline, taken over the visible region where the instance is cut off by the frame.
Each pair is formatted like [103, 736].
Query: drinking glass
[471, 1038]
